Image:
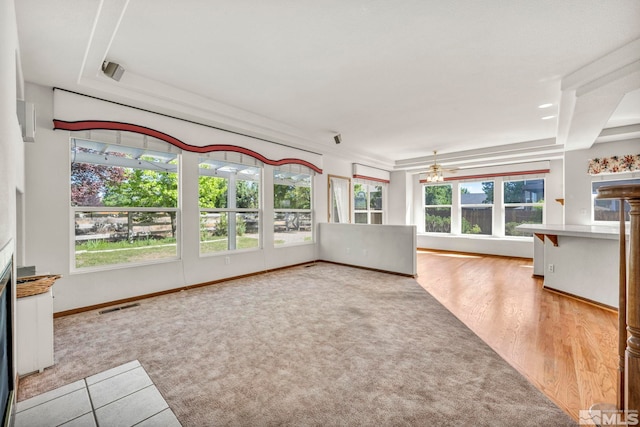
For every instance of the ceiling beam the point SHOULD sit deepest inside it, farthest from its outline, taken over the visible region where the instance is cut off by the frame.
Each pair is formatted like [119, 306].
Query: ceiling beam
[591, 94]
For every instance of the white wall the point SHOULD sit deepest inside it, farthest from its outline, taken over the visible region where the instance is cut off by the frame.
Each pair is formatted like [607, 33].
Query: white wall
[11, 145]
[578, 182]
[399, 211]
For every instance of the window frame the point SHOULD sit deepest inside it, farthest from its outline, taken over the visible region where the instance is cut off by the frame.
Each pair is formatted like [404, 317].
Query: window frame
[506, 205]
[368, 185]
[231, 211]
[450, 206]
[462, 206]
[126, 163]
[293, 170]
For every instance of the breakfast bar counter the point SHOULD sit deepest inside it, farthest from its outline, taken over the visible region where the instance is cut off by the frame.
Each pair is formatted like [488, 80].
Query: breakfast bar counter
[579, 260]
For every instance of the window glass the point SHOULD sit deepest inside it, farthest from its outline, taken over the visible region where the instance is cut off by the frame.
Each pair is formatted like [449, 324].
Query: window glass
[525, 191]
[367, 202]
[476, 199]
[609, 209]
[523, 204]
[124, 204]
[293, 220]
[437, 208]
[229, 198]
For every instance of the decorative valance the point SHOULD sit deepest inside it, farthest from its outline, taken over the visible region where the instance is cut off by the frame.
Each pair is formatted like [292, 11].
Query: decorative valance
[614, 164]
[76, 112]
[371, 174]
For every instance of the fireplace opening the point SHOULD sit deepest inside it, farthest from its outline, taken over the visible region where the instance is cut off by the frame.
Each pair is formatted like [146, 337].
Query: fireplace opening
[7, 385]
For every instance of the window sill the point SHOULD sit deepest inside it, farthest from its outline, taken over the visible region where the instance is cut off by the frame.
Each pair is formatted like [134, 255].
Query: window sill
[110, 267]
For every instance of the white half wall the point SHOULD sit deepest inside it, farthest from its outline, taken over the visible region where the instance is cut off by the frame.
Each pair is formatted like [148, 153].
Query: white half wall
[382, 247]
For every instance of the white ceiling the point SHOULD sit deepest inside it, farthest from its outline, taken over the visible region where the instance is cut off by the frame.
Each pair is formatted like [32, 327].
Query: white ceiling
[398, 79]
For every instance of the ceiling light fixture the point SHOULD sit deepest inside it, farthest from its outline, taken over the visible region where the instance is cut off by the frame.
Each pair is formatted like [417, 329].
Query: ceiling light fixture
[435, 171]
[545, 105]
[548, 117]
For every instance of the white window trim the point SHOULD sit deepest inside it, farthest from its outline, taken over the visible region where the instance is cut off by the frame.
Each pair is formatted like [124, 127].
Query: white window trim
[368, 210]
[231, 200]
[451, 215]
[497, 206]
[310, 211]
[140, 144]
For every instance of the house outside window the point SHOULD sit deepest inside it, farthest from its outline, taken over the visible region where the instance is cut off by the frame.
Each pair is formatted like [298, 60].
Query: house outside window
[229, 201]
[523, 204]
[293, 214]
[608, 210]
[437, 208]
[476, 206]
[124, 205]
[367, 202]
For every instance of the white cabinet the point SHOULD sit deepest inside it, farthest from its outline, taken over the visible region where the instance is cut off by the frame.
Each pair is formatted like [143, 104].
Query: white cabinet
[34, 330]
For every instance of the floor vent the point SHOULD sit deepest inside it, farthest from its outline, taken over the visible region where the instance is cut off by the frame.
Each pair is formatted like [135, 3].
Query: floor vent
[110, 310]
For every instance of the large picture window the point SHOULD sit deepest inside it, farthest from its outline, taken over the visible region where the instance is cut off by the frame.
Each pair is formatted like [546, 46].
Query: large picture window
[523, 204]
[437, 208]
[608, 210]
[124, 203]
[367, 203]
[476, 201]
[229, 199]
[292, 195]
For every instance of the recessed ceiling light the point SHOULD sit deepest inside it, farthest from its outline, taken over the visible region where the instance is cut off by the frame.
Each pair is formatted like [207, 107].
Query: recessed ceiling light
[545, 105]
[548, 117]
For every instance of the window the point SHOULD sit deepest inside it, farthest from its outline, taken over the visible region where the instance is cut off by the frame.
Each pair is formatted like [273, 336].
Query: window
[367, 203]
[293, 220]
[124, 203]
[229, 199]
[523, 204]
[476, 201]
[437, 208]
[609, 209]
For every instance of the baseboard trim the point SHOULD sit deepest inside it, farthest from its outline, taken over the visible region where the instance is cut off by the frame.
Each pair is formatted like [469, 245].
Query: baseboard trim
[583, 299]
[371, 269]
[169, 291]
[471, 253]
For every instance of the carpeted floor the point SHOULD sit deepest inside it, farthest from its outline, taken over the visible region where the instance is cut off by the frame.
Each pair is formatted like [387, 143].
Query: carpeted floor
[323, 345]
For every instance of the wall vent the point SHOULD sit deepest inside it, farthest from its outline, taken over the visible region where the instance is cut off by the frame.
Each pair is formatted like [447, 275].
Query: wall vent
[122, 307]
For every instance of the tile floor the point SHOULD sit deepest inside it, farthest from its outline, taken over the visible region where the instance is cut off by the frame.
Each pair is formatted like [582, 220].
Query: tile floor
[123, 396]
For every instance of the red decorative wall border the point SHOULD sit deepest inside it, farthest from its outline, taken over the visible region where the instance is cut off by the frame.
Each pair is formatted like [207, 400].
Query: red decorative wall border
[128, 127]
[493, 175]
[370, 178]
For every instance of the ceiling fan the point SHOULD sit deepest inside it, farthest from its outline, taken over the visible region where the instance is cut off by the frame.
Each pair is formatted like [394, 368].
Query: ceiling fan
[434, 174]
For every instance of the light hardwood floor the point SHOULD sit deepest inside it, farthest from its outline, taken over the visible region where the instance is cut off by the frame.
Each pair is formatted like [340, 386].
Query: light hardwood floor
[565, 347]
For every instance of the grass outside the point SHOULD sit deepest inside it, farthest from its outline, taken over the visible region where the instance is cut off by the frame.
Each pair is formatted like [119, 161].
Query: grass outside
[94, 253]
[96, 258]
[221, 245]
